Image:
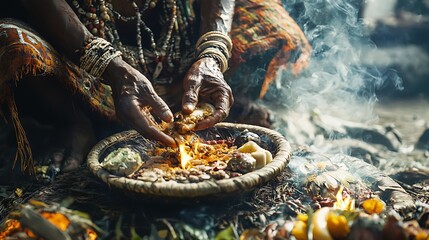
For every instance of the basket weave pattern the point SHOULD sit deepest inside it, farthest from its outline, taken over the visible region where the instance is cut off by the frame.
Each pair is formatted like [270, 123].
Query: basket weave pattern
[281, 156]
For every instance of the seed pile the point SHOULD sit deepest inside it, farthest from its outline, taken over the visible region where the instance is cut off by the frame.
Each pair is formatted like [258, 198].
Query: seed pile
[208, 161]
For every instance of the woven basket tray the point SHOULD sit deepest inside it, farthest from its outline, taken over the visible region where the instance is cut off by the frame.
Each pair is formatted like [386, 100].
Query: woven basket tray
[271, 140]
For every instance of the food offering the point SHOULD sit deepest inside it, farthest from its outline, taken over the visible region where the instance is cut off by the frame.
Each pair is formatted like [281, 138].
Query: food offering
[195, 159]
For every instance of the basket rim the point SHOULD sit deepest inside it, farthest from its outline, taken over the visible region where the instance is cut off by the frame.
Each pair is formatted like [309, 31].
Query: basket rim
[241, 183]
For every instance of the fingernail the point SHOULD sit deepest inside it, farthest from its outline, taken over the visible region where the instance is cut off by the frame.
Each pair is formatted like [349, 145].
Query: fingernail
[168, 116]
[189, 106]
[173, 144]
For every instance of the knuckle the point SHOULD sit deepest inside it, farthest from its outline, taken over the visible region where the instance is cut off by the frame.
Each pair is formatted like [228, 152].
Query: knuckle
[223, 113]
[191, 95]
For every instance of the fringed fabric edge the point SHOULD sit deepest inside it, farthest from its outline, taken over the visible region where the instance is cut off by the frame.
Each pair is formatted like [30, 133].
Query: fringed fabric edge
[13, 70]
[261, 26]
[23, 151]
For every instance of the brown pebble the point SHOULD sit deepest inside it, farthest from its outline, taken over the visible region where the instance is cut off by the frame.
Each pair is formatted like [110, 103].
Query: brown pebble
[193, 178]
[194, 171]
[196, 162]
[235, 174]
[204, 177]
[182, 179]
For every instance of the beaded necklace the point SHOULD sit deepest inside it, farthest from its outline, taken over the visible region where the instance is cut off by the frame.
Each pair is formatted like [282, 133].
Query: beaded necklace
[162, 55]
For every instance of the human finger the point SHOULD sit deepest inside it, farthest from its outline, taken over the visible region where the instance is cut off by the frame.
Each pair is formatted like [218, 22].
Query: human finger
[222, 106]
[159, 107]
[136, 118]
[190, 99]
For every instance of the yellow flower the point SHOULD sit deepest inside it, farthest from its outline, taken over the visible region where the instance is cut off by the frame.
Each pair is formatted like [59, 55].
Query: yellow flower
[338, 225]
[302, 217]
[373, 205]
[299, 230]
[422, 236]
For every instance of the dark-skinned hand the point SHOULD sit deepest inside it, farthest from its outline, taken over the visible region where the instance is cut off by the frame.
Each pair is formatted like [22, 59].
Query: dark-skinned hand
[205, 82]
[132, 92]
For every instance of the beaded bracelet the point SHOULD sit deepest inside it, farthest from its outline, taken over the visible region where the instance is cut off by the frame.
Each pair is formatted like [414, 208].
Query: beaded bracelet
[216, 45]
[220, 45]
[97, 54]
[216, 35]
[80, 51]
[217, 55]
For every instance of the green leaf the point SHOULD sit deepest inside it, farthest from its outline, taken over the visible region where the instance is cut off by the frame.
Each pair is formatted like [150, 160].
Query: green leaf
[310, 213]
[134, 235]
[67, 202]
[228, 233]
[189, 232]
[118, 231]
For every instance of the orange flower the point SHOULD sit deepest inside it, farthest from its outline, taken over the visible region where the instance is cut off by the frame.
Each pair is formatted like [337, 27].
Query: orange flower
[373, 205]
[338, 225]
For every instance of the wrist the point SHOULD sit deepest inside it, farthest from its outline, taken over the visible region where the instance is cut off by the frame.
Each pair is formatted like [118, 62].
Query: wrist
[97, 55]
[211, 60]
[114, 71]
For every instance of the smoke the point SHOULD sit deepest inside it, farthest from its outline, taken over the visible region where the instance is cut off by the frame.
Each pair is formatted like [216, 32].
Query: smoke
[337, 82]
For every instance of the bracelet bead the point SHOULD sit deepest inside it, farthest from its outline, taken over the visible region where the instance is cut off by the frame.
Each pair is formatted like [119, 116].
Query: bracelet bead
[97, 54]
[216, 45]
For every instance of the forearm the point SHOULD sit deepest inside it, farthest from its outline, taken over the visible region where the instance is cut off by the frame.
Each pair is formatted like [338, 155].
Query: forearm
[57, 22]
[216, 15]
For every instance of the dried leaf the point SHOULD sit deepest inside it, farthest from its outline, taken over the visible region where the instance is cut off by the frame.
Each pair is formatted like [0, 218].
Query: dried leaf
[19, 192]
[41, 226]
[37, 204]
